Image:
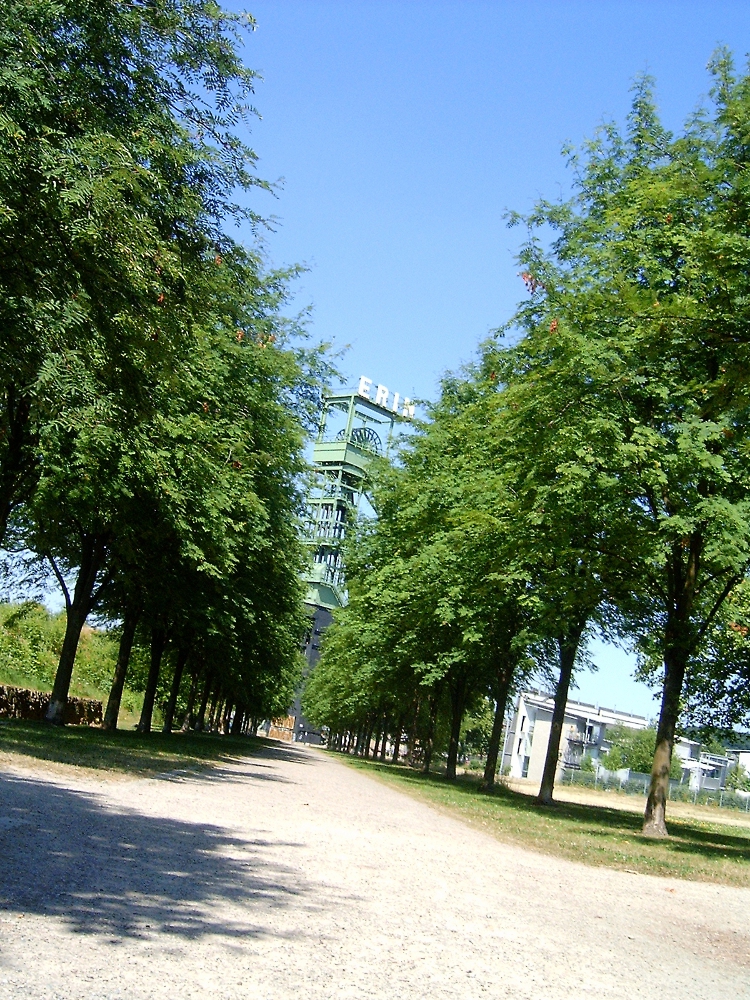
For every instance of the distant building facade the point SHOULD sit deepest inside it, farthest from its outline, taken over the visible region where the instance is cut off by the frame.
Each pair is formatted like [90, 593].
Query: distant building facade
[584, 732]
[701, 770]
[739, 756]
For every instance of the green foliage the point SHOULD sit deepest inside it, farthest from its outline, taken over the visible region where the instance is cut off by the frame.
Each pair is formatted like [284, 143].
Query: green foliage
[476, 728]
[717, 685]
[738, 779]
[634, 748]
[30, 643]
[587, 762]
[438, 618]
[153, 397]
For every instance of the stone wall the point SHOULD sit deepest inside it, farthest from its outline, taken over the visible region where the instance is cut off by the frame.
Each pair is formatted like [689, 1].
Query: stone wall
[21, 703]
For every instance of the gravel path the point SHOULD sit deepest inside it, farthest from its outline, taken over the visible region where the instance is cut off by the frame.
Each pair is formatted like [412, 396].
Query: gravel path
[292, 875]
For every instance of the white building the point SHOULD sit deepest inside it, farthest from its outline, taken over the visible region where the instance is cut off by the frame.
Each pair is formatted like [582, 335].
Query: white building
[701, 769]
[741, 757]
[584, 732]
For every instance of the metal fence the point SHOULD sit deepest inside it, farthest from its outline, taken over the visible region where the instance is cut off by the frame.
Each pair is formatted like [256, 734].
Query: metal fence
[634, 783]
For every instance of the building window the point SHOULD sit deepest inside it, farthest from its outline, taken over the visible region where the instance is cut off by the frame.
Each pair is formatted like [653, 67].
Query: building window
[519, 745]
[525, 768]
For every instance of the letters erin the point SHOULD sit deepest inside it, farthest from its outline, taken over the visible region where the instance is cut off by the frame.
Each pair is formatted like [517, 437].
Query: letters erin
[382, 396]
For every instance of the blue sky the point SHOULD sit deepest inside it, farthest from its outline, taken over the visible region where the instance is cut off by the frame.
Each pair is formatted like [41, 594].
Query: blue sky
[404, 131]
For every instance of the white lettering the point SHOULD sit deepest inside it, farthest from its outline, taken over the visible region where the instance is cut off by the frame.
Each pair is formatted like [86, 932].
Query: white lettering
[400, 406]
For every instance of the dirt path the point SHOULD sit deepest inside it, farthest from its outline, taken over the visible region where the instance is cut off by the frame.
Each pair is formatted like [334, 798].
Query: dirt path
[292, 875]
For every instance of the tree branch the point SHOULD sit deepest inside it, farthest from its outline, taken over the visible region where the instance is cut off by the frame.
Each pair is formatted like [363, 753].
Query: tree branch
[60, 580]
[732, 582]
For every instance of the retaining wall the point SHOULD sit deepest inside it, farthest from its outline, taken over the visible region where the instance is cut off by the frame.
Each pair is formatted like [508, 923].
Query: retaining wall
[22, 703]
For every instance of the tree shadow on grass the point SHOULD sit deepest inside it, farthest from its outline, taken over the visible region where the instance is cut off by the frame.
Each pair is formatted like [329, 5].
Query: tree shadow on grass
[120, 873]
[686, 837]
[132, 752]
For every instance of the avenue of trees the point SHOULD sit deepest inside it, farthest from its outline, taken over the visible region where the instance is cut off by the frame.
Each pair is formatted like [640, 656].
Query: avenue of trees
[153, 398]
[591, 470]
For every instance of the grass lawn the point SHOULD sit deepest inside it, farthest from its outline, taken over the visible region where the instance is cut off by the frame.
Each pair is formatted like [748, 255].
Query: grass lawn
[123, 751]
[706, 851]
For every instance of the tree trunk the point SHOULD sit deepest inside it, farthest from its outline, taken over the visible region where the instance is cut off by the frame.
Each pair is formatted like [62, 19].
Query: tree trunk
[182, 656]
[397, 740]
[129, 623]
[458, 703]
[504, 679]
[214, 714]
[239, 717]
[226, 717]
[654, 819]
[93, 553]
[19, 464]
[431, 727]
[411, 736]
[216, 700]
[368, 740]
[200, 722]
[191, 701]
[158, 641]
[568, 647]
[384, 739]
[683, 580]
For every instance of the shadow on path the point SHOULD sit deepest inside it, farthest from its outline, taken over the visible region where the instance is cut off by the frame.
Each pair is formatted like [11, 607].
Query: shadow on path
[258, 767]
[65, 853]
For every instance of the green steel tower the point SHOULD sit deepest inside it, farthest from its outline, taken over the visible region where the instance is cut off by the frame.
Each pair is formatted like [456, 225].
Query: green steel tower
[354, 427]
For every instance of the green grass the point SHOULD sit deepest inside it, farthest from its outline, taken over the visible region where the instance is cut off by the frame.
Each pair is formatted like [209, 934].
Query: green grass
[123, 751]
[593, 834]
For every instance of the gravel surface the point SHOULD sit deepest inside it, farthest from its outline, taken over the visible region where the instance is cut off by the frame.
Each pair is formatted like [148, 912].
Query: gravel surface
[292, 875]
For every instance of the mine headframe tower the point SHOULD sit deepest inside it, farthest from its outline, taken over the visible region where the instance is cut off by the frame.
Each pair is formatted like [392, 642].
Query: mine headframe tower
[354, 428]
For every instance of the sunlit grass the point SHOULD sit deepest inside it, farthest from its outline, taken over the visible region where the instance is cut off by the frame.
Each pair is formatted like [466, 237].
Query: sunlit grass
[592, 834]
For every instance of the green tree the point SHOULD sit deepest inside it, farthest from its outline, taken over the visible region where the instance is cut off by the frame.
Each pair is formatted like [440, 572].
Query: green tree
[717, 682]
[642, 292]
[738, 780]
[435, 620]
[118, 162]
[634, 748]
[154, 407]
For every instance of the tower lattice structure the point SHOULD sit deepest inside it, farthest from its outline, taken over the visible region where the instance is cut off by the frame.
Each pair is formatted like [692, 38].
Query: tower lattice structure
[353, 430]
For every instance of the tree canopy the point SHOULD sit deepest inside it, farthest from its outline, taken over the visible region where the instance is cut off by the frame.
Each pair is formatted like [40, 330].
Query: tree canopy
[154, 399]
[598, 476]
